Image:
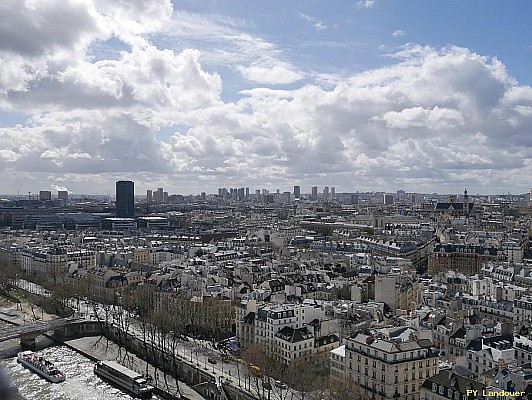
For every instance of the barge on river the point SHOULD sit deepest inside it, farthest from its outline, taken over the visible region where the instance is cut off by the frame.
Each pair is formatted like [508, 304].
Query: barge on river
[131, 381]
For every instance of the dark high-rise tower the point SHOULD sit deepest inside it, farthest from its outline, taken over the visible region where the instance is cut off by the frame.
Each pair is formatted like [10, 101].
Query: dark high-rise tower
[125, 199]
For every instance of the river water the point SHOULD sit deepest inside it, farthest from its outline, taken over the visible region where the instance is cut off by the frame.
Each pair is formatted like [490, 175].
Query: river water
[80, 383]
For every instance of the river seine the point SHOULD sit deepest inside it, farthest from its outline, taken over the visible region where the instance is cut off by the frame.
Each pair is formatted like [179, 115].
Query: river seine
[80, 383]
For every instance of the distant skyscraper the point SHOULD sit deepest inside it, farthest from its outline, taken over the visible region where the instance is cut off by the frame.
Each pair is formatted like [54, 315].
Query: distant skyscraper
[45, 195]
[297, 192]
[125, 199]
[149, 196]
[62, 195]
[333, 192]
[401, 194]
[160, 195]
[326, 193]
[314, 193]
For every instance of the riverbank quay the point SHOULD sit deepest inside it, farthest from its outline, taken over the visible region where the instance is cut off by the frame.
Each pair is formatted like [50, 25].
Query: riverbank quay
[203, 379]
[91, 344]
[99, 348]
[208, 381]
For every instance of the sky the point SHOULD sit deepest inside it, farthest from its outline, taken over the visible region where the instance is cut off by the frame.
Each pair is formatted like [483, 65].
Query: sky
[423, 96]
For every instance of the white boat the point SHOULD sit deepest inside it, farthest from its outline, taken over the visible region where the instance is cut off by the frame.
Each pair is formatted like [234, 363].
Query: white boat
[41, 366]
[127, 379]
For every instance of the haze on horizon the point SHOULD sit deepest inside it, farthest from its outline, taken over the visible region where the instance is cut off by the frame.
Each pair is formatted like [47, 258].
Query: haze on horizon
[192, 96]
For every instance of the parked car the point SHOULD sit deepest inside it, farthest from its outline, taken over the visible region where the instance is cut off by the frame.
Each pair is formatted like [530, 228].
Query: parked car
[211, 360]
[280, 384]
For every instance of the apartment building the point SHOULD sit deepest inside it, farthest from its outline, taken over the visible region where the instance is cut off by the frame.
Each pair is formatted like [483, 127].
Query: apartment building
[287, 331]
[484, 354]
[337, 363]
[390, 363]
[292, 343]
[523, 349]
[522, 311]
[52, 261]
[398, 292]
[448, 385]
[462, 258]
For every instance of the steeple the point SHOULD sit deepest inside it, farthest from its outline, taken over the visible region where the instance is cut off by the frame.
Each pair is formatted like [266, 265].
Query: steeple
[466, 203]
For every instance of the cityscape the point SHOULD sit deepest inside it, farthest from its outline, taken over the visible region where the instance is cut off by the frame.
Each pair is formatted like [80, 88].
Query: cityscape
[312, 292]
[265, 200]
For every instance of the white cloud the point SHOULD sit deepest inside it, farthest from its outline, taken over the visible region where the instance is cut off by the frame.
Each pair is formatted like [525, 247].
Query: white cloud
[430, 117]
[223, 44]
[399, 33]
[434, 119]
[318, 25]
[365, 3]
[270, 72]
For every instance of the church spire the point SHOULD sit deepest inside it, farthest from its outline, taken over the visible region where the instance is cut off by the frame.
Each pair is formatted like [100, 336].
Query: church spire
[466, 203]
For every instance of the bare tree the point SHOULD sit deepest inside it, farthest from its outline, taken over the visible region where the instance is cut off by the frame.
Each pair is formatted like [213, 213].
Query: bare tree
[60, 297]
[260, 368]
[8, 273]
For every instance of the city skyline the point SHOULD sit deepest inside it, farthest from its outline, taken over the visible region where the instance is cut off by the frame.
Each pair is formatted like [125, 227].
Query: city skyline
[160, 195]
[360, 96]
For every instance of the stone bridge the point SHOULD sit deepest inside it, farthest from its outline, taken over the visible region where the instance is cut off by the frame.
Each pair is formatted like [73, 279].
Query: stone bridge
[29, 331]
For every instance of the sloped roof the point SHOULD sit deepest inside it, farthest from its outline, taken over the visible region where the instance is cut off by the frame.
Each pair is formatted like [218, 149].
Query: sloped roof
[248, 319]
[453, 381]
[294, 335]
